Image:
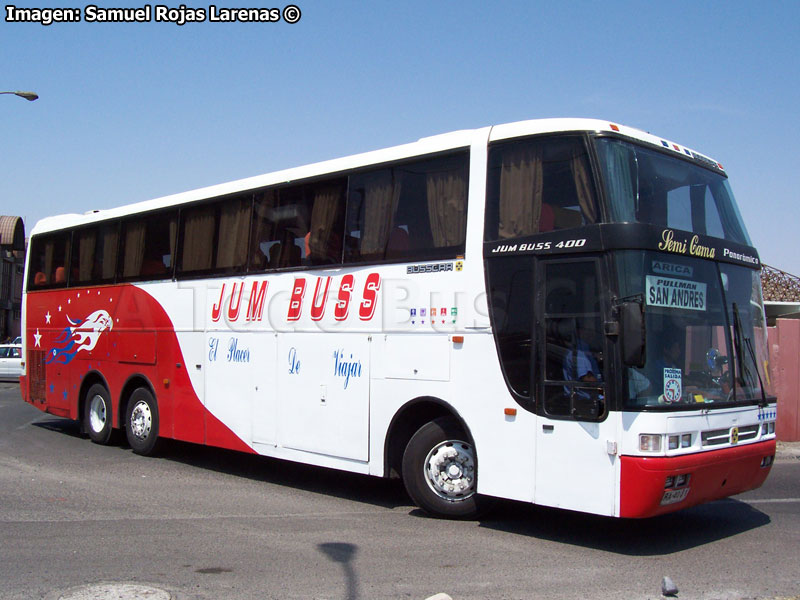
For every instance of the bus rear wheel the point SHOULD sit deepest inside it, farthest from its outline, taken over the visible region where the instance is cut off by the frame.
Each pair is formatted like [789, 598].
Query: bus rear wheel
[97, 414]
[142, 422]
[440, 471]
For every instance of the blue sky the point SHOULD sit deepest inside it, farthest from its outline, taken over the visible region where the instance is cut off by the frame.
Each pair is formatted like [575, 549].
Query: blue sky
[129, 112]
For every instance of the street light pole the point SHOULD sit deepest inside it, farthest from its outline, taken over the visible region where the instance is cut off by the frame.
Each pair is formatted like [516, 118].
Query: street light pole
[29, 96]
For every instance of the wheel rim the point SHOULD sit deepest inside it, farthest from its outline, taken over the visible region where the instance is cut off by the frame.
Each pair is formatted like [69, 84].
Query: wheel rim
[450, 470]
[141, 420]
[97, 413]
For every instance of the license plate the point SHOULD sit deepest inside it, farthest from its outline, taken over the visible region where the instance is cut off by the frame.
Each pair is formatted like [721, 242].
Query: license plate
[673, 496]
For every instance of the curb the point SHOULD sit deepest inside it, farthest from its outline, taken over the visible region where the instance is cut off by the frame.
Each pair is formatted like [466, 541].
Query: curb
[787, 452]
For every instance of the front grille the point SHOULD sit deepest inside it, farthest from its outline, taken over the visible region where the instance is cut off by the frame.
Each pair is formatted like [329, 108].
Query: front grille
[37, 378]
[717, 437]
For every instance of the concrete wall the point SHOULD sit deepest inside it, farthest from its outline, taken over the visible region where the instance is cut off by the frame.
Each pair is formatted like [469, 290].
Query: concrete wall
[784, 362]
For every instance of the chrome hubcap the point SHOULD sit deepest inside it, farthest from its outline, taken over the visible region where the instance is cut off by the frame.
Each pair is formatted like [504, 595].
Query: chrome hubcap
[97, 413]
[141, 420]
[450, 470]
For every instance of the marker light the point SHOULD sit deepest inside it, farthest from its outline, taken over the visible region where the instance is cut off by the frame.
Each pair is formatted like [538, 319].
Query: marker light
[650, 442]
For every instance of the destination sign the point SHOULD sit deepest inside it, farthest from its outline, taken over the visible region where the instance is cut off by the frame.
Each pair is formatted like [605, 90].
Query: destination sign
[675, 293]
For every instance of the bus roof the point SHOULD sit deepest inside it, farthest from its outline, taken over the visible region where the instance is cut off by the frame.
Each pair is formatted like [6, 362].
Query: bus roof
[425, 145]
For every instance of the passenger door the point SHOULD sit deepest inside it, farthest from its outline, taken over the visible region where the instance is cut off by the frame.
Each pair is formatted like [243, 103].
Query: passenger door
[574, 469]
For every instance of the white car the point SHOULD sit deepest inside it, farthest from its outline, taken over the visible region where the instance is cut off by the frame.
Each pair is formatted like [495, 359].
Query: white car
[10, 361]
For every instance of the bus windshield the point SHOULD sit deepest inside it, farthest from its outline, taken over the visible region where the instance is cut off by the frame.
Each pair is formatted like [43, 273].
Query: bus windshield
[705, 331]
[649, 186]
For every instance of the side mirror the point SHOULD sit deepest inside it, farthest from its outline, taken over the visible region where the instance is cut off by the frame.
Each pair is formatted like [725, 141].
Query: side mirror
[632, 334]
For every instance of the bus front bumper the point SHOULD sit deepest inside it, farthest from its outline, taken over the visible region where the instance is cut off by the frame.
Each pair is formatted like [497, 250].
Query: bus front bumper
[647, 484]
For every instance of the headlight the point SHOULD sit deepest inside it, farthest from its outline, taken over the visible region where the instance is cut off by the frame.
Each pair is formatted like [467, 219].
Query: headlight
[650, 442]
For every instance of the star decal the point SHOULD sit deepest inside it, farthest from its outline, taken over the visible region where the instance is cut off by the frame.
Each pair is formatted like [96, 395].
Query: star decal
[37, 337]
[47, 317]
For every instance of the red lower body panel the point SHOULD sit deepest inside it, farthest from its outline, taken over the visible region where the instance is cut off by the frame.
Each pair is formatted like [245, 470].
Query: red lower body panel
[713, 475]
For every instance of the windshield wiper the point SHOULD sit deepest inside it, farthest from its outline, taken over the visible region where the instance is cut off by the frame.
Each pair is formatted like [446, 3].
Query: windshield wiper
[743, 371]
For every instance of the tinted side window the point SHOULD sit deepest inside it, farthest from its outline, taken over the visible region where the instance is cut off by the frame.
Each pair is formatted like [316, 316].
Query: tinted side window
[214, 236]
[49, 260]
[511, 296]
[148, 246]
[573, 339]
[538, 185]
[411, 211]
[298, 225]
[94, 257]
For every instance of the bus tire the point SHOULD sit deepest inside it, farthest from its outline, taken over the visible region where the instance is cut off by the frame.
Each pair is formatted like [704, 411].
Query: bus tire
[97, 416]
[440, 471]
[142, 422]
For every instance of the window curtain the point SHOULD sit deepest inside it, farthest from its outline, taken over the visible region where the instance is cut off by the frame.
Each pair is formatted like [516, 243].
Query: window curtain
[620, 180]
[109, 257]
[447, 207]
[520, 192]
[322, 242]
[583, 185]
[134, 248]
[198, 239]
[381, 194]
[86, 254]
[232, 243]
[49, 268]
[173, 240]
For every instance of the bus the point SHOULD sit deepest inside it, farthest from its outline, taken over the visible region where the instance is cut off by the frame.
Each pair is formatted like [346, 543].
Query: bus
[565, 312]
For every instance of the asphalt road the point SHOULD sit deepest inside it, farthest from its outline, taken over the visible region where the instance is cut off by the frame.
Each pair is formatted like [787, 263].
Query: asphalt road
[202, 523]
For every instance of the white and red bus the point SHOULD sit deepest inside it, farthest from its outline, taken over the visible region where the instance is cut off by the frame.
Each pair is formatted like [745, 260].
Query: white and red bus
[566, 312]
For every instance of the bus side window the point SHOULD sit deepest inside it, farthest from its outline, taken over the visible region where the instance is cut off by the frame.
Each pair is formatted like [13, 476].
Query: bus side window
[408, 211]
[94, 255]
[298, 225]
[324, 238]
[148, 246]
[214, 236]
[50, 258]
[538, 185]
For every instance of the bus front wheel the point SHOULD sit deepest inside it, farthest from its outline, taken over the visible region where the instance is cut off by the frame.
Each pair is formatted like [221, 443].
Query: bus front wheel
[440, 471]
[142, 422]
[97, 414]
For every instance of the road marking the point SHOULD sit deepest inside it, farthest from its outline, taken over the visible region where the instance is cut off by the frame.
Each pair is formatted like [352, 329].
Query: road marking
[773, 501]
